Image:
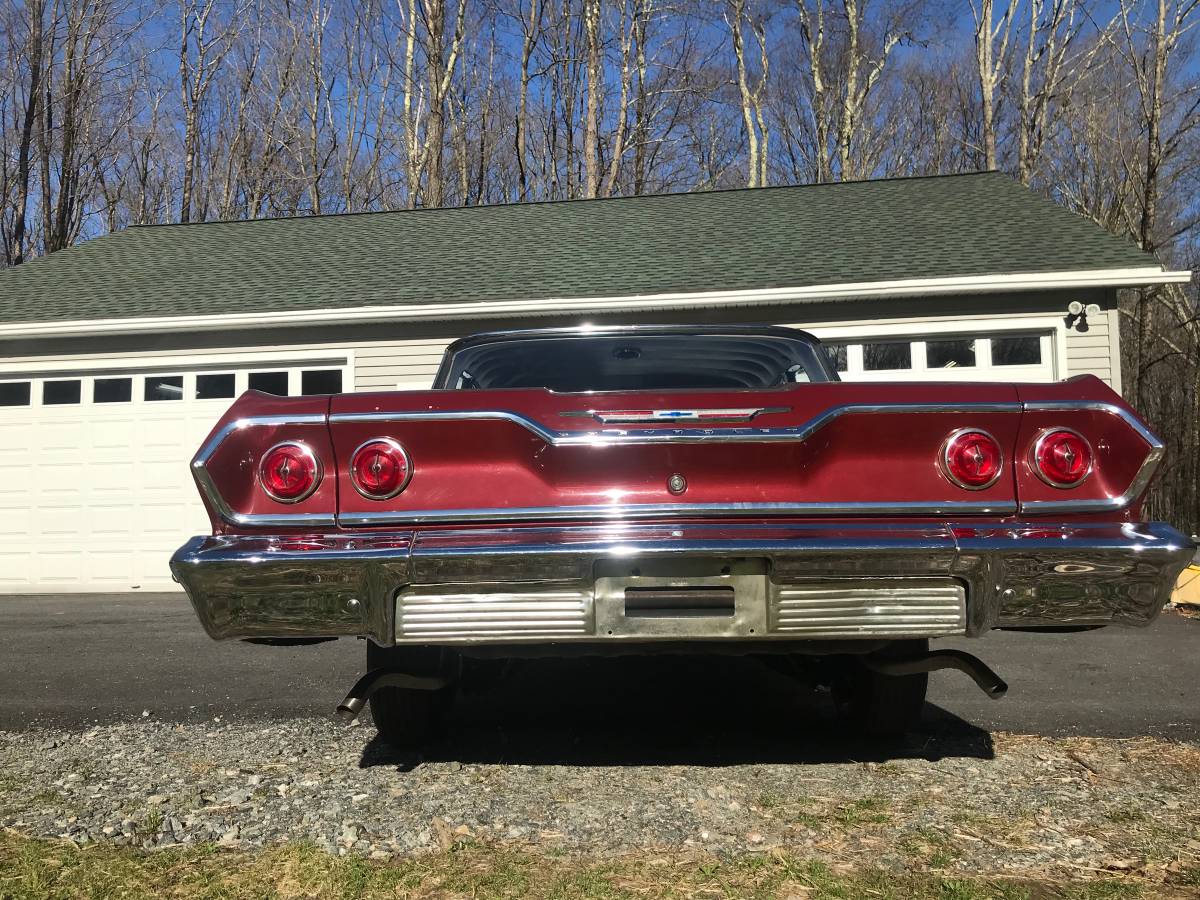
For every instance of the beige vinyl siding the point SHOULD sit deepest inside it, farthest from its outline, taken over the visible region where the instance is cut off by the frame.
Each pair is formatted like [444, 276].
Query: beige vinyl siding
[391, 365]
[410, 359]
[1090, 352]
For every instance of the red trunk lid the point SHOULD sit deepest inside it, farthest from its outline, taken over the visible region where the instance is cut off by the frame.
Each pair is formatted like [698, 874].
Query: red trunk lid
[824, 448]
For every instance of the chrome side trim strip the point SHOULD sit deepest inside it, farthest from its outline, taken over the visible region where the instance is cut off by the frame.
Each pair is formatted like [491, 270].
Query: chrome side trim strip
[679, 435]
[671, 511]
[1140, 480]
[209, 488]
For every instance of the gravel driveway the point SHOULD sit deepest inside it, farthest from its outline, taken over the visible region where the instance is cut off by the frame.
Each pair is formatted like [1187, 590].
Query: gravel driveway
[1000, 805]
[610, 757]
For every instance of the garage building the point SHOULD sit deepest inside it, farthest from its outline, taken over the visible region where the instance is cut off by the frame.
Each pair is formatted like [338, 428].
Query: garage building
[117, 356]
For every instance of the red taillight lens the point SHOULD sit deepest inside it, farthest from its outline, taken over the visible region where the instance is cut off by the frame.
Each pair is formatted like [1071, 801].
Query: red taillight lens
[972, 459]
[289, 472]
[380, 469]
[1062, 458]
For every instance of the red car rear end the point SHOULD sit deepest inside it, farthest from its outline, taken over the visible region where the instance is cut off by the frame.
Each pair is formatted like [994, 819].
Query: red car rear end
[569, 492]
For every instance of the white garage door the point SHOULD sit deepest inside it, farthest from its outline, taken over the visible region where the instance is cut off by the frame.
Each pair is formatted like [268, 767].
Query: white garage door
[95, 491]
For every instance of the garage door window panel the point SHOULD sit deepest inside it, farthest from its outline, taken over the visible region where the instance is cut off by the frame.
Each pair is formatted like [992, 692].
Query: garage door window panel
[270, 382]
[838, 355]
[62, 393]
[112, 390]
[163, 387]
[321, 381]
[216, 386]
[16, 393]
[1017, 350]
[949, 354]
[886, 356]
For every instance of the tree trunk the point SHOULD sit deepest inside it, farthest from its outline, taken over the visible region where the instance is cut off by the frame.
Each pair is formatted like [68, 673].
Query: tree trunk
[16, 244]
[595, 88]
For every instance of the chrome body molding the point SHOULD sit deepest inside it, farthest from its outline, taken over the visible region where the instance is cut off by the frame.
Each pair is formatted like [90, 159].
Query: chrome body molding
[644, 511]
[255, 520]
[607, 437]
[789, 582]
[1136, 487]
[615, 436]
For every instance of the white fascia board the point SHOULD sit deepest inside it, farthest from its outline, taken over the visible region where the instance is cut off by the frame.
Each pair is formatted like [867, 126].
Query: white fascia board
[924, 287]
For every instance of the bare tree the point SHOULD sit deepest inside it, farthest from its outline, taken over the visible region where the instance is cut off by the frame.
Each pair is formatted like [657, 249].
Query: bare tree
[846, 49]
[204, 41]
[752, 91]
[992, 34]
[530, 18]
[28, 57]
[1053, 65]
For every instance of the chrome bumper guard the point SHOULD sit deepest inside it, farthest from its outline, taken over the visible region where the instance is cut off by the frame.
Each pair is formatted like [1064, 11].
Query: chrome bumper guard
[687, 582]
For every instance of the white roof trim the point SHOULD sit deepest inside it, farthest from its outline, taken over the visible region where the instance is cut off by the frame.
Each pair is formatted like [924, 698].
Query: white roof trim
[927, 287]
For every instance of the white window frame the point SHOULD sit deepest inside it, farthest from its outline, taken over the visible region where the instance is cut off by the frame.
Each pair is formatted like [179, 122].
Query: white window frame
[1050, 328]
[139, 368]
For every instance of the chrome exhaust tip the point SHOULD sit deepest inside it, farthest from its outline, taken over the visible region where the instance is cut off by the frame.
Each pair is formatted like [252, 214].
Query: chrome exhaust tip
[989, 682]
[362, 690]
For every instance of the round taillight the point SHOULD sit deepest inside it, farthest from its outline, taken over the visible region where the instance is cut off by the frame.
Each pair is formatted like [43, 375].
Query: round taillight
[380, 469]
[1062, 458]
[972, 459]
[289, 472]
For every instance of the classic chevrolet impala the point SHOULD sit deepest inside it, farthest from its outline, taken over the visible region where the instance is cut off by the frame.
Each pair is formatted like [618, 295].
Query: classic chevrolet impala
[674, 489]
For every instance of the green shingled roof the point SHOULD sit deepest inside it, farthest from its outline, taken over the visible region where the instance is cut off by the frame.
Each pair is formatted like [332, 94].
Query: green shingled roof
[978, 224]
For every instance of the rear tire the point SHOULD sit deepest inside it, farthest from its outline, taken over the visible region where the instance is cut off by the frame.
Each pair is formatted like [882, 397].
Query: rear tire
[406, 718]
[878, 705]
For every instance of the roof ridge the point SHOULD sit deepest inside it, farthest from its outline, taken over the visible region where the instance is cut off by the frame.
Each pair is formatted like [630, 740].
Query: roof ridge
[430, 210]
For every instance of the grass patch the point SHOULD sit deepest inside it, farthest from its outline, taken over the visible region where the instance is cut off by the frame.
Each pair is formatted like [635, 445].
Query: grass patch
[863, 811]
[152, 823]
[1188, 876]
[1125, 815]
[930, 847]
[31, 868]
[870, 810]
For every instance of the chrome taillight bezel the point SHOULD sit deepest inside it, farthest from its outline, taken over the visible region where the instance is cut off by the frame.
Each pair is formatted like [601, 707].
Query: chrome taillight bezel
[1036, 447]
[944, 459]
[393, 444]
[307, 451]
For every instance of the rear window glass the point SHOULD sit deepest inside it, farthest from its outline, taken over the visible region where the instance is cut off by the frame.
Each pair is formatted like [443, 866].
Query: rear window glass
[637, 362]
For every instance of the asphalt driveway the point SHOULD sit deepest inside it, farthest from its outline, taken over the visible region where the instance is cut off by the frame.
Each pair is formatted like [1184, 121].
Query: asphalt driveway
[71, 661]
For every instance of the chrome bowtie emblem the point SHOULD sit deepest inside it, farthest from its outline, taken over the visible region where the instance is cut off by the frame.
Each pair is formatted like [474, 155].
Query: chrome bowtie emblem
[629, 416]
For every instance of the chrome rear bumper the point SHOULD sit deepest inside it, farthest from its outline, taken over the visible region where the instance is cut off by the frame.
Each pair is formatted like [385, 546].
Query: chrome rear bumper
[504, 585]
